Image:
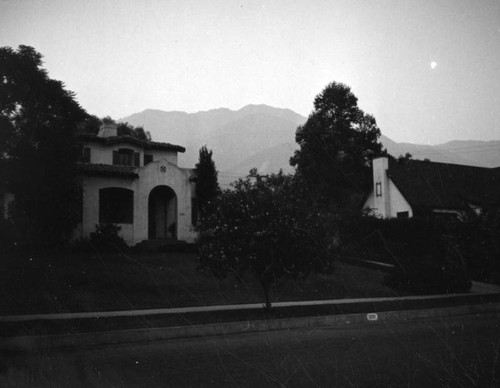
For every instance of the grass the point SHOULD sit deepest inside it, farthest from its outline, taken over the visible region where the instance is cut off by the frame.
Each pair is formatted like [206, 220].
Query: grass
[103, 282]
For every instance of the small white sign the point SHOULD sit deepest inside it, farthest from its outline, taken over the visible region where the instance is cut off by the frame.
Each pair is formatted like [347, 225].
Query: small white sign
[372, 316]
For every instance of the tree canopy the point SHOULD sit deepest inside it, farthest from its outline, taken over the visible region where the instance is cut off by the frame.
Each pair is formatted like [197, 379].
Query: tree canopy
[266, 226]
[38, 117]
[207, 186]
[92, 124]
[337, 144]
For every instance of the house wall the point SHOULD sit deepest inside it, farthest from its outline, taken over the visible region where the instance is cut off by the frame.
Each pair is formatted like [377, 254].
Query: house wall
[170, 156]
[385, 200]
[381, 197]
[90, 213]
[157, 173]
[100, 154]
[177, 179]
[369, 205]
[397, 202]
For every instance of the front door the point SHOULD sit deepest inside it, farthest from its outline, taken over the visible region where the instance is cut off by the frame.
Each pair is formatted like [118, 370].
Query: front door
[162, 213]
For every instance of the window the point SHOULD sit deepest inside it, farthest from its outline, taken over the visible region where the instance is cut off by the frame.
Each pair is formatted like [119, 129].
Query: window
[85, 155]
[116, 206]
[126, 157]
[378, 189]
[403, 215]
[148, 158]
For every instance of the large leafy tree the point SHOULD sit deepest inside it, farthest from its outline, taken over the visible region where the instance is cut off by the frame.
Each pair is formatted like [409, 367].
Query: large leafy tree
[38, 117]
[337, 143]
[266, 226]
[207, 185]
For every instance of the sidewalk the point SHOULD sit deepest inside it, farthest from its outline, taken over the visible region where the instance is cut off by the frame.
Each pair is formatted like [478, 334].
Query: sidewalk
[112, 327]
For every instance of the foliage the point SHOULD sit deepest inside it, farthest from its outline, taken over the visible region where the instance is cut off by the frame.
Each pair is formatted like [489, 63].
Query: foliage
[106, 238]
[92, 124]
[424, 253]
[38, 117]
[405, 157]
[8, 236]
[428, 275]
[266, 226]
[477, 238]
[337, 144]
[207, 186]
[125, 129]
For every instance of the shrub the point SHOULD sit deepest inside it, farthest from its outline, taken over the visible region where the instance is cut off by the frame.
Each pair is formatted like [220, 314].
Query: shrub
[106, 238]
[477, 239]
[426, 256]
[8, 236]
[429, 274]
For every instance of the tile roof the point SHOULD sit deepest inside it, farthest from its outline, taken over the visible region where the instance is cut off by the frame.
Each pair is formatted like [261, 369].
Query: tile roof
[147, 144]
[431, 185]
[107, 170]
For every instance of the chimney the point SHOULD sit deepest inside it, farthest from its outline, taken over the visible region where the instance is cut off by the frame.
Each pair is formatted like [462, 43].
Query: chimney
[108, 130]
[381, 187]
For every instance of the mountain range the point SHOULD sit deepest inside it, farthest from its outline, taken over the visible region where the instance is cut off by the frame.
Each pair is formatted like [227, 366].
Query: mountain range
[262, 136]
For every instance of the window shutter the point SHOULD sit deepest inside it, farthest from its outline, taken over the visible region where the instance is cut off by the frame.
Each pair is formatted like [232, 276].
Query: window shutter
[115, 157]
[137, 160]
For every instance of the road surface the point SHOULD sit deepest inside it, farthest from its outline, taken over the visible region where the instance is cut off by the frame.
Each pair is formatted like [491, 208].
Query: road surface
[451, 352]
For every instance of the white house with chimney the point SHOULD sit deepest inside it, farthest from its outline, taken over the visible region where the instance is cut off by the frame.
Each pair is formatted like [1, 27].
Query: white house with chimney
[408, 188]
[385, 199]
[137, 185]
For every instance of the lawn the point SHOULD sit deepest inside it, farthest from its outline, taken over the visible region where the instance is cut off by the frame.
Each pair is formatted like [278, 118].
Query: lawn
[101, 282]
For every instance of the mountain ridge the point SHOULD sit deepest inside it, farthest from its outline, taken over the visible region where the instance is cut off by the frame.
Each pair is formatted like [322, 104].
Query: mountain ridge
[262, 136]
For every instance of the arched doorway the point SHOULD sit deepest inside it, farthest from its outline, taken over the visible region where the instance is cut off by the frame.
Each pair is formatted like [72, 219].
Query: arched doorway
[162, 213]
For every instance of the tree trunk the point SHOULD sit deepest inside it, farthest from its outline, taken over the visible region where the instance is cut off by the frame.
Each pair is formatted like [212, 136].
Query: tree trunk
[266, 287]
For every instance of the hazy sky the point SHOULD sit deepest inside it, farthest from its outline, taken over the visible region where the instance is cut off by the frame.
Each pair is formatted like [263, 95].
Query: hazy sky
[429, 71]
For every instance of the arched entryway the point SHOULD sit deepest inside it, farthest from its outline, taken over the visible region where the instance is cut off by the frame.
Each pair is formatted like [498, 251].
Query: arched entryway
[162, 213]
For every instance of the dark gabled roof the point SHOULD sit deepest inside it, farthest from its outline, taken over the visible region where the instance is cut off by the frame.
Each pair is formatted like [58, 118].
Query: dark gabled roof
[107, 170]
[431, 185]
[147, 144]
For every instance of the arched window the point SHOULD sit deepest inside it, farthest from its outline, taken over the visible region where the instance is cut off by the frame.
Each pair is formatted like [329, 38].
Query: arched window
[116, 206]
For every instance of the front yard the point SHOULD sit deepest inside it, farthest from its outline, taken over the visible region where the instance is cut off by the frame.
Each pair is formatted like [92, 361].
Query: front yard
[103, 282]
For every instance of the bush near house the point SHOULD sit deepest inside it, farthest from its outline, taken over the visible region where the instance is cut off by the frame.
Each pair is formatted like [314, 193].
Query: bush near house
[106, 239]
[8, 236]
[426, 255]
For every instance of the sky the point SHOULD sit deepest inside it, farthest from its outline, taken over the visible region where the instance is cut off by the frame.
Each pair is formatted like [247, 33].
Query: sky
[429, 71]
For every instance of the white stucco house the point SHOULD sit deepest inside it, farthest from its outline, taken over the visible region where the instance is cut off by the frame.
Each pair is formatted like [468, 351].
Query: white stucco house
[137, 185]
[408, 188]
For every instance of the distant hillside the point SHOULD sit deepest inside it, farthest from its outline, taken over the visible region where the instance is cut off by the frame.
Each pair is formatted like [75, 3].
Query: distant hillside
[477, 153]
[419, 151]
[269, 160]
[264, 137]
[232, 135]
[469, 152]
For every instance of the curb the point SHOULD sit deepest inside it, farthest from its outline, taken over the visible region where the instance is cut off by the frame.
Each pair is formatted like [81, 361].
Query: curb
[179, 332]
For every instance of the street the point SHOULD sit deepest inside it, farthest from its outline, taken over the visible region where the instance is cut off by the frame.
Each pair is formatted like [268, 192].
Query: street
[451, 352]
